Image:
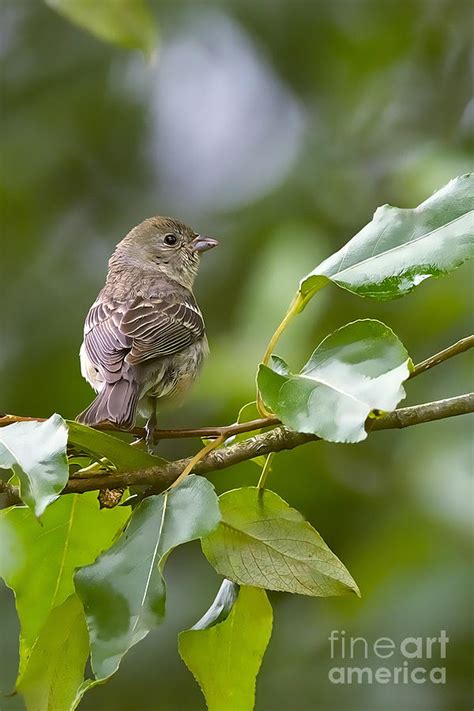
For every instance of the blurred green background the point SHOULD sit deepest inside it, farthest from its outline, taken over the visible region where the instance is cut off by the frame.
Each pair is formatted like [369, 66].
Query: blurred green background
[278, 127]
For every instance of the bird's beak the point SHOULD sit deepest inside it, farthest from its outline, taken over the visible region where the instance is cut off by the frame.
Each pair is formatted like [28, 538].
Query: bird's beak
[202, 244]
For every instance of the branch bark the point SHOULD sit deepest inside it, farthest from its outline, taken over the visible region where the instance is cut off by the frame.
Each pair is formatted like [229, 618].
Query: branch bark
[278, 439]
[460, 347]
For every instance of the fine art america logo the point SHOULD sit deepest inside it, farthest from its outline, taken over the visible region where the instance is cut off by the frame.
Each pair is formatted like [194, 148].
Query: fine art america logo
[409, 661]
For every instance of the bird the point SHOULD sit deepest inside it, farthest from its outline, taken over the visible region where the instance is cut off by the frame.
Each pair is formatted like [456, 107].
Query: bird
[144, 336]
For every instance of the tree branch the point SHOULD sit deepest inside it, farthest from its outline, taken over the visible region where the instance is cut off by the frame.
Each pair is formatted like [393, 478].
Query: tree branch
[278, 439]
[241, 427]
[160, 478]
[275, 440]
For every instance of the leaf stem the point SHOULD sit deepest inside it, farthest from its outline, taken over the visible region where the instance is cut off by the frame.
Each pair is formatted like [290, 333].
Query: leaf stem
[292, 311]
[295, 307]
[197, 458]
[266, 469]
[95, 468]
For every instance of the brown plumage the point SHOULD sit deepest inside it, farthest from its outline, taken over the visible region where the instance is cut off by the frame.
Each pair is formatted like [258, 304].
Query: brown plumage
[144, 337]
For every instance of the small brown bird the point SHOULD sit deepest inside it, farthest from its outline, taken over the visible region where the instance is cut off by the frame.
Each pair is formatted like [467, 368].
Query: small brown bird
[144, 337]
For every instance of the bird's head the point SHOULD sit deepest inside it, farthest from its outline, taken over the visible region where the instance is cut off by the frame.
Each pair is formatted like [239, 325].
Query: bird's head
[165, 245]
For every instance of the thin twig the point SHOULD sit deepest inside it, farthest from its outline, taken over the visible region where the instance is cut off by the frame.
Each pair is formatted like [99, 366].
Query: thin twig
[198, 432]
[7, 419]
[276, 440]
[265, 471]
[241, 427]
[160, 478]
[460, 347]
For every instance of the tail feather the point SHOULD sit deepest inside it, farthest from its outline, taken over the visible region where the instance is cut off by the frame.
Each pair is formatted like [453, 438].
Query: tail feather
[117, 403]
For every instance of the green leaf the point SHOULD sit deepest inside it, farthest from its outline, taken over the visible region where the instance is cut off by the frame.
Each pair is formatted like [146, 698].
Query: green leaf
[38, 561]
[221, 606]
[124, 591]
[36, 452]
[56, 666]
[128, 23]
[355, 370]
[101, 444]
[262, 541]
[225, 659]
[400, 248]
[279, 366]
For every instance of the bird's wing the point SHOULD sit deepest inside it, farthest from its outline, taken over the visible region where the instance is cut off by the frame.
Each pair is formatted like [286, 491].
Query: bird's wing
[160, 327]
[134, 332]
[105, 343]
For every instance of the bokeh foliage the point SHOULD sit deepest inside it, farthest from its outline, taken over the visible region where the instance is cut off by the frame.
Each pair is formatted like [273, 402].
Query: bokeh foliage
[382, 90]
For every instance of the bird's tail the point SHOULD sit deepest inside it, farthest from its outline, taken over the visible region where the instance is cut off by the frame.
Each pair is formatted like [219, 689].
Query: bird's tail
[116, 402]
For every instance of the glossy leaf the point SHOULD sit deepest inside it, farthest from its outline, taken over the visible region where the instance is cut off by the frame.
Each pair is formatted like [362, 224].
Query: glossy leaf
[56, 666]
[124, 591]
[261, 541]
[221, 606]
[225, 659]
[128, 23]
[36, 453]
[400, 248]
[38, 561]
[355, 370]
[101, 444]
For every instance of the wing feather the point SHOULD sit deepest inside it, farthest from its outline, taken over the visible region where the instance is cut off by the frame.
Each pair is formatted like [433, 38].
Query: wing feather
[118, 335]
[162, 328]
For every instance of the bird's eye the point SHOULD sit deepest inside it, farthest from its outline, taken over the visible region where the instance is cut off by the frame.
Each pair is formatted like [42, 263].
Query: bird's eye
[170, 240]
